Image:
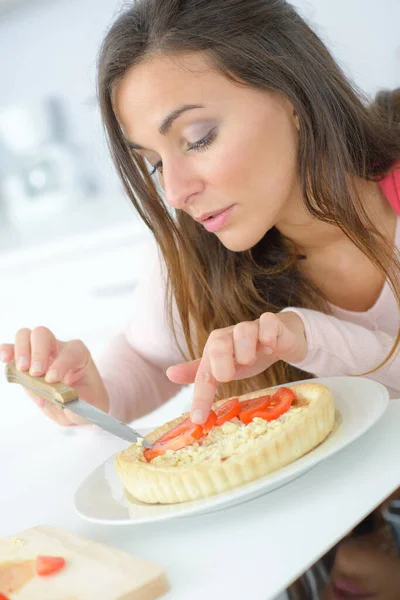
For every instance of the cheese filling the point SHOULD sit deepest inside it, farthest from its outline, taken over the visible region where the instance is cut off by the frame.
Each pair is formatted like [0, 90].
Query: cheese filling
[229, 439]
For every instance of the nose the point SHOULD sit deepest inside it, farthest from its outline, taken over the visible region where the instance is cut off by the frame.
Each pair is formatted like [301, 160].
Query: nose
[180, 182]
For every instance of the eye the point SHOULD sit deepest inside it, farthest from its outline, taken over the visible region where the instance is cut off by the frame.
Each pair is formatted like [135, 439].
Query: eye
[200, 145]
[205, 142]
[157, 167]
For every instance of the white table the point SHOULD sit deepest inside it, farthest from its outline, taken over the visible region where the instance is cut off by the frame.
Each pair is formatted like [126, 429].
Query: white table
[254, 550]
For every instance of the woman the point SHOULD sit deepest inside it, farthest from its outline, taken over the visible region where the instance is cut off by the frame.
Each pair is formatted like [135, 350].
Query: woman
[367, 562]
[271, 192]
[365, 566]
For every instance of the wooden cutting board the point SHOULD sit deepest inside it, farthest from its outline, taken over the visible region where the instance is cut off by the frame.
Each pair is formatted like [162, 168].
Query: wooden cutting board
[92, 571]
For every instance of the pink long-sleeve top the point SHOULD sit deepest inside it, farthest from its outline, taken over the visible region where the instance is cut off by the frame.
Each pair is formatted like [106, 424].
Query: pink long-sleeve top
[344, 343]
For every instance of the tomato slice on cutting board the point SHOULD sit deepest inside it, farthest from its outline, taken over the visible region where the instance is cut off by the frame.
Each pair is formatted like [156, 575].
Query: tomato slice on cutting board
[227, 411]
[249, 407]
[280, 403]
[47, 565]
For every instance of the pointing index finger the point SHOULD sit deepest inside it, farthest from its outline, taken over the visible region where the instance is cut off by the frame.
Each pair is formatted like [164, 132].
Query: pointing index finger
[205, 387]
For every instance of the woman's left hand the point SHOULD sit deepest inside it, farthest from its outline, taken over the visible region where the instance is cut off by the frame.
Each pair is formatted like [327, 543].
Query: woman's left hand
[239, 352]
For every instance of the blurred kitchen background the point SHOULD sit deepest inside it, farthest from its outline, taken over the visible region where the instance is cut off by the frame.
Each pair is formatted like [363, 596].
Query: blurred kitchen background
[71, 247]
[56, 178]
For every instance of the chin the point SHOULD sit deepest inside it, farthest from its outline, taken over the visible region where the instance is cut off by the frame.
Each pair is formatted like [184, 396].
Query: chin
[239, 243]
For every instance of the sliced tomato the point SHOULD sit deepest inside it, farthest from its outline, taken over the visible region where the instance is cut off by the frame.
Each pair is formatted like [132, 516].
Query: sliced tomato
[186, 427]
[174, 444]
[3, 597]
[185, 438]
[180, 436]
[227, 411]
[249, 407]
[47, 565]
[209, 424]
[280, 403]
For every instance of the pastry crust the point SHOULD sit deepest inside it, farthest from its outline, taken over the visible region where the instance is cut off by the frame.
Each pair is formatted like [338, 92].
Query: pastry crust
[187, 475]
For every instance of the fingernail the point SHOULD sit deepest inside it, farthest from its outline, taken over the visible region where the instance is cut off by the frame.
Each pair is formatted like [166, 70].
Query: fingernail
[22, 362]
[3, 355]
[51, 376]
[197, 416]
[36, 368]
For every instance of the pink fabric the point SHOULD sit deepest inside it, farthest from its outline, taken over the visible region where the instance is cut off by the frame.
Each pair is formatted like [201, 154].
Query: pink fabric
[391, 187]
[347, 343]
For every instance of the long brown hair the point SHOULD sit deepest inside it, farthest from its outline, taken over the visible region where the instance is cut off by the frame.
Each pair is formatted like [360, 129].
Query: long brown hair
[266, 45]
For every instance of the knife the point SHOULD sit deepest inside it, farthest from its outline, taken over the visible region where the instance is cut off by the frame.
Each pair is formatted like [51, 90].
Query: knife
[66, 397]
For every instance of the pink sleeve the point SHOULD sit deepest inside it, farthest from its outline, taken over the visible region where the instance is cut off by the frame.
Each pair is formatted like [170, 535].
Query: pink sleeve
[134, 363]
[390, 186]
[135, 386]
[337, 347]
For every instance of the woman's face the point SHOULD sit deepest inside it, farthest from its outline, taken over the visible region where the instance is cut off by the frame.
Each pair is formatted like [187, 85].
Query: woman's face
[364, 570]
[225, 154]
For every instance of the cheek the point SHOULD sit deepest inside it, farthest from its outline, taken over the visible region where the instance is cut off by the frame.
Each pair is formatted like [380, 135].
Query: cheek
[277, 158]
[264, 164]
[226, 167]
[356, 559]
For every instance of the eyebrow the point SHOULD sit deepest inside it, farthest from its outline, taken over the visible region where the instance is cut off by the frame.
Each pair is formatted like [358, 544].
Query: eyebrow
[166, 125]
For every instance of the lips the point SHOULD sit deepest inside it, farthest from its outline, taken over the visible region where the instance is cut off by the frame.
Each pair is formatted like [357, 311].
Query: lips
[216, 221]
[208, 215]
[348, 590]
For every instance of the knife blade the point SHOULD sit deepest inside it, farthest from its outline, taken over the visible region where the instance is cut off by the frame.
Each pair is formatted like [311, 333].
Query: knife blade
[64, 396]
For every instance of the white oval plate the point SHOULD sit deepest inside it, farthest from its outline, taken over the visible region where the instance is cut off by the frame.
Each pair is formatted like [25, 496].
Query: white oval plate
[359, 402]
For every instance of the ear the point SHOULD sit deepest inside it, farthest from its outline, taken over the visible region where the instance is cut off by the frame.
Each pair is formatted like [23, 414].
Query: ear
[296, 119]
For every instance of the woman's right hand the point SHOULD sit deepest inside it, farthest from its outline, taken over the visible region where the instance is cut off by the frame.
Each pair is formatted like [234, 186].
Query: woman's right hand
[41, 353]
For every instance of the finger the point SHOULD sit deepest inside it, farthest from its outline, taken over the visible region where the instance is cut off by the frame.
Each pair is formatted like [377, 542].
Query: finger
[56, 414]
[245, 338]
[6, 352]
[75, 419]
[269, 331]
[36, 399]
[22, 349]
[221, 357]
[69, 363]
[183, 372]
[61, 416]
[43, 344]
[49, 409]
[291, 339]
[205, 387]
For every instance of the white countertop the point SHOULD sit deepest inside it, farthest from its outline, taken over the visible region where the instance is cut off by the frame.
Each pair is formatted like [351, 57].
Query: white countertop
[253, 550]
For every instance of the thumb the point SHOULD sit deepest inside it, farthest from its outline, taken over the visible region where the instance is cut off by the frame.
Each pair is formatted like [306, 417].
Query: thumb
[183, 372]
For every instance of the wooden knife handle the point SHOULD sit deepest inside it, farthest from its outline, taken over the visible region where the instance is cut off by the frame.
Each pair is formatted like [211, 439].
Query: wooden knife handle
[55, 392]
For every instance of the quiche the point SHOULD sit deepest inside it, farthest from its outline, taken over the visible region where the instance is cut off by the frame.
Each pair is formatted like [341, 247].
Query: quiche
[243, 439]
